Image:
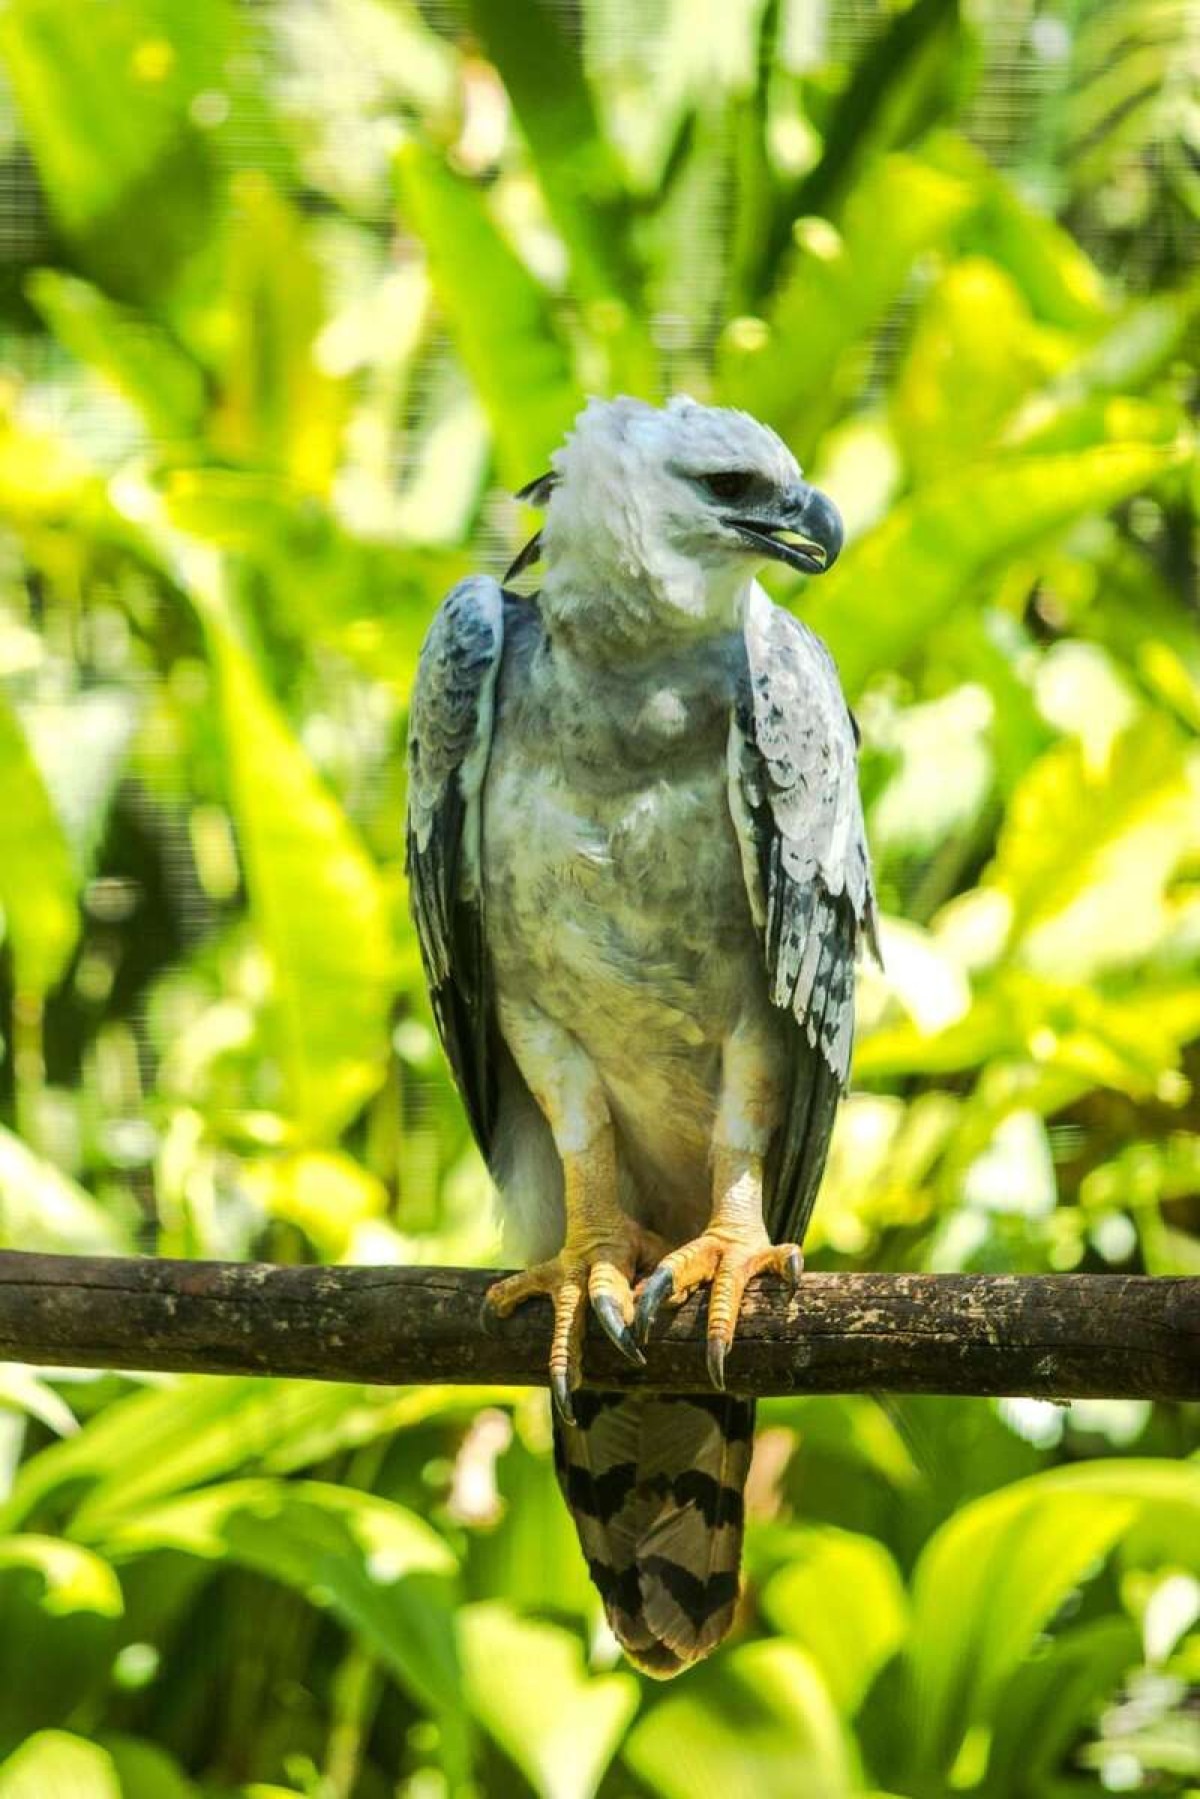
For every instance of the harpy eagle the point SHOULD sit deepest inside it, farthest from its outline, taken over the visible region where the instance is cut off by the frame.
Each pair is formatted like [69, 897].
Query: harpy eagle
[639, 876]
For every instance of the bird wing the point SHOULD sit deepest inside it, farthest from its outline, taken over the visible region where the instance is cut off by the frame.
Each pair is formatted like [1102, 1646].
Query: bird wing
[796, 806]
[450, 724]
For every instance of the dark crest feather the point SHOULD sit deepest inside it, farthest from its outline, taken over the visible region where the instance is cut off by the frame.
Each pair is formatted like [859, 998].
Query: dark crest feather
[523, 558]
[537, 492]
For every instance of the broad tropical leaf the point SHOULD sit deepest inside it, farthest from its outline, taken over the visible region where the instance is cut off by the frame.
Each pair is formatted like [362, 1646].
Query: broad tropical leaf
[104, 94]
[38, 879]
[527, 1686]
[850, 1640]
[997, 1573]
[61, 1606]
[933, 546]
[497, 311]
[316, 898]
[758, 1721]
[379, 1568]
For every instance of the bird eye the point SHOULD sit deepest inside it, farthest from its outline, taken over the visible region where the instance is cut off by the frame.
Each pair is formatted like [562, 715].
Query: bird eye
[728, 484]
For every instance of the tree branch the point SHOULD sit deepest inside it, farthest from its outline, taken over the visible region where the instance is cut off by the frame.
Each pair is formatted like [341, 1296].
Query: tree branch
[1055, 1336]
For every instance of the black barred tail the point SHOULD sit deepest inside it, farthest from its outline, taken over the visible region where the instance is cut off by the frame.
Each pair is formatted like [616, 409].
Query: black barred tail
[655, 1484]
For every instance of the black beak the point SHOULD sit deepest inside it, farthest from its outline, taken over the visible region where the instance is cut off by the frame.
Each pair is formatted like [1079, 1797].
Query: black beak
[804, 530]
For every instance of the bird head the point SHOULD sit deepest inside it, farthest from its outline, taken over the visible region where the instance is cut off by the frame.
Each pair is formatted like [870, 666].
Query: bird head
[669, 510]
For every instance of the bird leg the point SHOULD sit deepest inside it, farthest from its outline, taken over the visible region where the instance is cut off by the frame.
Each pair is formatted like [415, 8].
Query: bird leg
[728, 1254]
[601, 1255]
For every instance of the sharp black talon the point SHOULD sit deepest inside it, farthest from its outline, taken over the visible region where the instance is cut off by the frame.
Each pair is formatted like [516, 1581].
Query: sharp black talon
[615, 1328]
[795, 1268]
[489, 1317]
[718, 1349]
[560, 1392]
[658, 1288]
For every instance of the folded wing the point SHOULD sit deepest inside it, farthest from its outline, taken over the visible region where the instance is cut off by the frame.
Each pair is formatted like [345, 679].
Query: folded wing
[450, 724]
[795, 801]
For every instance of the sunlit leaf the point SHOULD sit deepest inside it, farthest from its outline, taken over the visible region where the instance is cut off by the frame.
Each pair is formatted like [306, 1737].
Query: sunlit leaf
[526, 1683]
[839, 284]
[60, 1606]
[377, 1567]
[152, 1444]
[851, 1639]
[1053, 1699]
[760, 1720]
[996, 1574]
[913, 75]
[104, 94]
[1086, 851]
[1058, 278]
[82, 745]
[325, 1193]
[543, 73]
[38, 881]
[932, 547]
[135, 356]
[974, 355]
[1135, 349]
[531, 1555]
[41, 1208]
[22, 1390]
[508, 344]
[278, 409]
[145, 1771]
[316, 899]
[54, 1765]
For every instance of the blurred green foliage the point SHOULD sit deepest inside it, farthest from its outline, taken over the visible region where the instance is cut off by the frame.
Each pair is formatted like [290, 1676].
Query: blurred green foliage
[286, 289]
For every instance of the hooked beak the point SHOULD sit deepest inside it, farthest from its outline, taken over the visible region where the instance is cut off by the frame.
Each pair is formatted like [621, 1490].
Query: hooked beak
[805, 531]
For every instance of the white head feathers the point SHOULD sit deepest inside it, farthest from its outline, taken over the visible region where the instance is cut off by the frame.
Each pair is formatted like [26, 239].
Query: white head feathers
[633, 532]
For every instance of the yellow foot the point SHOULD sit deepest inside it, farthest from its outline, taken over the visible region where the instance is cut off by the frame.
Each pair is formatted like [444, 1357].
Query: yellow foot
[599, 1268]
[728, 1259]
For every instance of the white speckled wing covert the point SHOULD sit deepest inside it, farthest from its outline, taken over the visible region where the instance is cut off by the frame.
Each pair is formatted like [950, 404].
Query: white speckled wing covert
[798, 805]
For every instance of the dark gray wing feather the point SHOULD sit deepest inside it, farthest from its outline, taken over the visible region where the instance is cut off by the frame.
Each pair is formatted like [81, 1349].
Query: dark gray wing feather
[795, 801]
[449, 740]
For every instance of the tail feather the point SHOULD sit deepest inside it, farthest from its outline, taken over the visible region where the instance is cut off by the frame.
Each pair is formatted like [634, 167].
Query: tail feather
[655, 1484]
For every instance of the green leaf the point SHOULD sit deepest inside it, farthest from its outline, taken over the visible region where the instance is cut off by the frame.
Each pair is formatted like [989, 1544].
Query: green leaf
[973, 357]
[61, 1605]
[370, 600]
[526, 1683]
[1136, 348]
[104, 94]
[316, 899]
[38, 882]
[82, 745]
[40, 1208]
[155, 1443]
[377, 1567]
[579, 173]
[911, 77]
[22, 1390]
[1052, 1699]
[838, 286]
[75, 1579]
[841, 1598]
[994, 1576]
[144, 1771]
[532, 1555]
[133, 355]
[54, 1765]
[756, 1720]
[932, 547]
[1087, 850]
[1059, 280]
[497, 312]
[277, 410]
